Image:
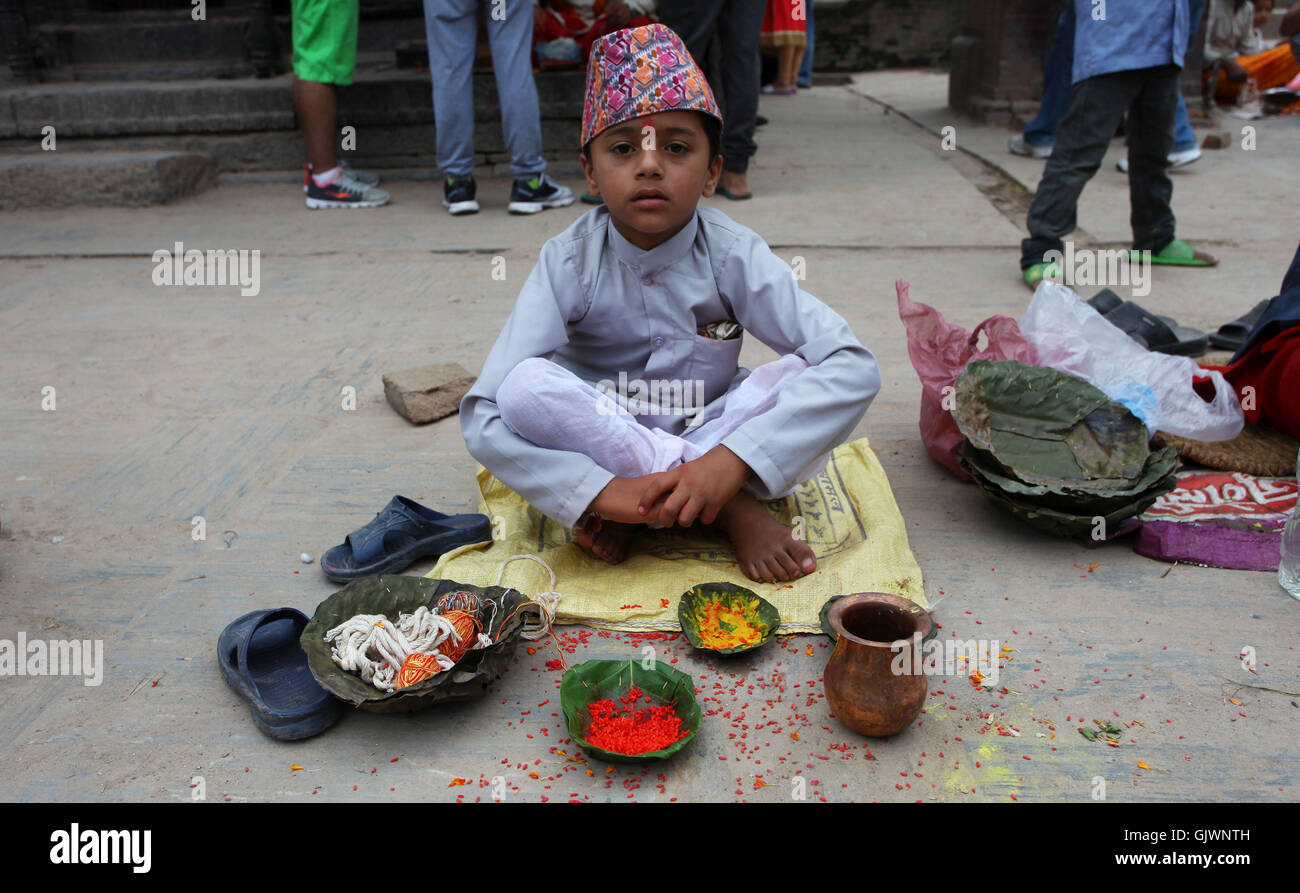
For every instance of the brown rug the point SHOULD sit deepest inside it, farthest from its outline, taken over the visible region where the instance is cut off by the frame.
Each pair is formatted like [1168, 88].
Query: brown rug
[1258, 450]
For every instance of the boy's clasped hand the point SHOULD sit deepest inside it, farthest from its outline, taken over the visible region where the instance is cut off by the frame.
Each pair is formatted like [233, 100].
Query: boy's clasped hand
[692, 491]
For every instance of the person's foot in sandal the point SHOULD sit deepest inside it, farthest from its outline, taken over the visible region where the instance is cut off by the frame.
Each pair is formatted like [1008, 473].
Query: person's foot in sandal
[1036, 273]
[734, 186]
[1178, 254]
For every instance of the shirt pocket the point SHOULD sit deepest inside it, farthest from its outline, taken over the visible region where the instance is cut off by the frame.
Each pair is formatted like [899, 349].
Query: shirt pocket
[714, 363]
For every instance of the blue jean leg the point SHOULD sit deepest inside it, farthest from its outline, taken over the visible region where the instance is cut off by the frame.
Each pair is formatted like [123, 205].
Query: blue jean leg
[804, 78]
[511, 39]
[1184, 138]
[452, 30]
[1058, 77]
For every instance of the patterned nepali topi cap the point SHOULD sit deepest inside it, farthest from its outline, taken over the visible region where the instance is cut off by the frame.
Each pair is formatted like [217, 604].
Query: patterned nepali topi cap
[640, 71]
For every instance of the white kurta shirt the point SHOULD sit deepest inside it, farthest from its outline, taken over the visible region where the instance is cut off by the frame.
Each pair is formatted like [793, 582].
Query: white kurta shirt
[599, 306]
[1230, 31]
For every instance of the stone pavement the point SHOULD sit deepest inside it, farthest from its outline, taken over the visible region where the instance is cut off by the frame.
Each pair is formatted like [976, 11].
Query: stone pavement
[174, 402]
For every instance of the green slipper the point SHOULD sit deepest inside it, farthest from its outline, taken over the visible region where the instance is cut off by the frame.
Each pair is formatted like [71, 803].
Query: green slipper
[1178, 254]
[1036, 273]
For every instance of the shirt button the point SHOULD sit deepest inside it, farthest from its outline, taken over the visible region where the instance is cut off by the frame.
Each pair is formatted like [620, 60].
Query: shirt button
[658, 341]
[647, 279]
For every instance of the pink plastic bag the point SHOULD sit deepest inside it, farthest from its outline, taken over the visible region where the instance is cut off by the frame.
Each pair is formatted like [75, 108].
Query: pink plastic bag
[939, 352]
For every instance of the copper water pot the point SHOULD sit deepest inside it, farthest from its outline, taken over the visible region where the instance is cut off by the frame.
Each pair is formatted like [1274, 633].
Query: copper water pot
[864, 685]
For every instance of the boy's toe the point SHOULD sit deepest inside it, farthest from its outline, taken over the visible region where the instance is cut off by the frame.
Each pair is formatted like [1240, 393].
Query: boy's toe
[789, 569]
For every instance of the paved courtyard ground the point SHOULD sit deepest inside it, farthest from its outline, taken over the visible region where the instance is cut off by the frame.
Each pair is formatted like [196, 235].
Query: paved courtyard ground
[176, 402]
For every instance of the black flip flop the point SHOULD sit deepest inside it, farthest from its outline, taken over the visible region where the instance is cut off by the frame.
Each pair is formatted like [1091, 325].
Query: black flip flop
[261, 659]
[1232, 335]
[402, 533]
[1106, 300]
[1160, 334]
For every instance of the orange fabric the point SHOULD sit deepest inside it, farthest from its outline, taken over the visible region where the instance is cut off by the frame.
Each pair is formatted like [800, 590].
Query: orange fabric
[1271, 68]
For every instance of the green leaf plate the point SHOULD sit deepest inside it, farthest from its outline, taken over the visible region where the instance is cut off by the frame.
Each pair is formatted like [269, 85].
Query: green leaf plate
[1050, 427]
[394, 594]
[693, 604]
[595, 680]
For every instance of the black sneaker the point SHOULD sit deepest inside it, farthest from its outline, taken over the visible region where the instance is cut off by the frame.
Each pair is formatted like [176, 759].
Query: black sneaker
[531, 196]
[458, 195]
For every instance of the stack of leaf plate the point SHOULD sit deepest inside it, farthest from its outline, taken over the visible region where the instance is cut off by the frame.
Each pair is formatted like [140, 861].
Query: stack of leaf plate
[1054, 450]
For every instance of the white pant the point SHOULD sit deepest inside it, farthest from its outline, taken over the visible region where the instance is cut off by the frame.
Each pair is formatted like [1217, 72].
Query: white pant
[553, 408]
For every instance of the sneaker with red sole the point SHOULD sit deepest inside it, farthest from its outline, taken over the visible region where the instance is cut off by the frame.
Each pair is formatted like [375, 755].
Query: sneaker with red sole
[366, 178]
[345, 192]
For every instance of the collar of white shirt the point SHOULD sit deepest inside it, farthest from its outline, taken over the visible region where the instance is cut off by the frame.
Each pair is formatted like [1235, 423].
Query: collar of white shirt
[659, 257]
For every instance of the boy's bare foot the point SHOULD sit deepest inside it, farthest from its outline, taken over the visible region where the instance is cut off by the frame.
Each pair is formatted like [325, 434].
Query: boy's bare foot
[609, 543]
[765, 549]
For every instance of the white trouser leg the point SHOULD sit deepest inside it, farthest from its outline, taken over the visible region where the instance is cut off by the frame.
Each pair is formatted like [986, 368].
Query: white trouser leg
[754, 396]
[550, 406]
[553, 408]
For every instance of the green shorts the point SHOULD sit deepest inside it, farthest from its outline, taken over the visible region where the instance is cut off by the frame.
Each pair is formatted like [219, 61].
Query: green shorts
[325, 40]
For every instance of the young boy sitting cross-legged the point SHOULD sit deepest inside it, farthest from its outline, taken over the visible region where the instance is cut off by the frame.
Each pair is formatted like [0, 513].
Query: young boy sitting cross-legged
[614, 394]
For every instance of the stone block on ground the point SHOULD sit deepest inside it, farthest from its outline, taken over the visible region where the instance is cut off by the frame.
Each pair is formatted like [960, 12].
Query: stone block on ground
[427, 393]
[1219, 139]
[64, 179]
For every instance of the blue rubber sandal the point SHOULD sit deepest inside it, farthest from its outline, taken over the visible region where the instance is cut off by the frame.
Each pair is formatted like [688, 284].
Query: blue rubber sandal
[403, 532]
[261, 659]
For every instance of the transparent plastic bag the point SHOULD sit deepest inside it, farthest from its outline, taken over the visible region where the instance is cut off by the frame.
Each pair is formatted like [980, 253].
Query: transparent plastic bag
[1069, 335]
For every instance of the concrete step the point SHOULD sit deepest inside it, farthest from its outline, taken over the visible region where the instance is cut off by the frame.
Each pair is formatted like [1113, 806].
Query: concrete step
[249, 124]
[62, 178]
[170, 44]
